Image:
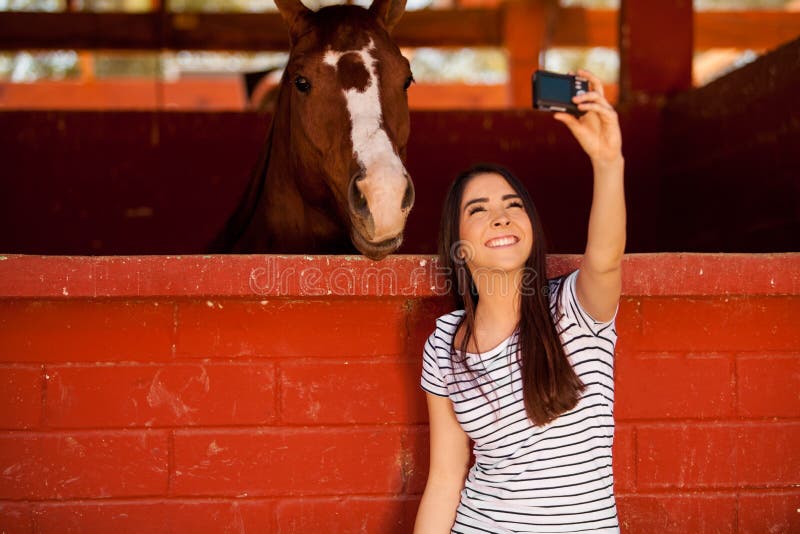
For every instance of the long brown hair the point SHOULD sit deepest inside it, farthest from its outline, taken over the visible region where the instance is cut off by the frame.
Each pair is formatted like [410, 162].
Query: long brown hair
[549, 383]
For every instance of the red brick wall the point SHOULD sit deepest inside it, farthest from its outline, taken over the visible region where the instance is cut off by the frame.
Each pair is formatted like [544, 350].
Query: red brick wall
[280, 394]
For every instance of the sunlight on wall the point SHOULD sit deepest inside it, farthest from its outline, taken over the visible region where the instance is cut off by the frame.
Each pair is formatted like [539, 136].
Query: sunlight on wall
[603, 62]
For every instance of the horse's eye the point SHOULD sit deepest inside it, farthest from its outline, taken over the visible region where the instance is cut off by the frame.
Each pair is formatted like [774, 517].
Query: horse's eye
[408, 83]
[302, 84]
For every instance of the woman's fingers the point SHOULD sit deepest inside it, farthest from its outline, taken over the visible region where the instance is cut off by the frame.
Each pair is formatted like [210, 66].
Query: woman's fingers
[592, 96]
[605, 111]
[566, 118]
[594, 82]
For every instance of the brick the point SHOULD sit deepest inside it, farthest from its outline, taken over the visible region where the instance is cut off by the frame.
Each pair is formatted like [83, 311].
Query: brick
[422, 321]
[159, 395]
[769, 512]
[257, 515]
[710, 274]
[662, 386]
[20, 396]
[283, 328]
[85, 330]
[29, 275]
[337, 275]
[352, 392]
[719, 324]
[768, 386]
[286, 461]
[348, 514]
[16, 518]
[695, 513]
[87, 464]
[416, 447]
[685, 456]
[624, 458]
[628, 320]
[156, 516]
[729, 455]
[769, 455]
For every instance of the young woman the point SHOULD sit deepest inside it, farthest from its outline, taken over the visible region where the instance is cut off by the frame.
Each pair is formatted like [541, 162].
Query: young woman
[524, 368]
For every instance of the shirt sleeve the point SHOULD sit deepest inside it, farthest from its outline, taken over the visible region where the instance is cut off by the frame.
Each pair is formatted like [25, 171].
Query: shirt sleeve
[575, 313]
[432, 380]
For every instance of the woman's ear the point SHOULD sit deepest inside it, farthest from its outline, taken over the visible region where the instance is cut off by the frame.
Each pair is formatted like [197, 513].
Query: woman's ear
[295, 15]
[388, 12]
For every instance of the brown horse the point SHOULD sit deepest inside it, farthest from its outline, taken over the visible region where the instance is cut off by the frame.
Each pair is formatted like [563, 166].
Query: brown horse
[331, 179]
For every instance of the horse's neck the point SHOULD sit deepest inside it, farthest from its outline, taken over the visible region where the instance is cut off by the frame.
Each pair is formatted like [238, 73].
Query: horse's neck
[296, 225]
[283, 203]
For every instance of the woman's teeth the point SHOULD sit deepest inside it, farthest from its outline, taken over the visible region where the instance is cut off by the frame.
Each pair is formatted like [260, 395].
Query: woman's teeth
[501, 241]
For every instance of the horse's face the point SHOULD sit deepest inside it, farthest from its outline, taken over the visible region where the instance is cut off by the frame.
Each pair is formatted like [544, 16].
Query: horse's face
[347, 85]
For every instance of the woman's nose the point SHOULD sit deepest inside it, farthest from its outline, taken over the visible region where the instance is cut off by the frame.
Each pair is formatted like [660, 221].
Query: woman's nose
[501, 219]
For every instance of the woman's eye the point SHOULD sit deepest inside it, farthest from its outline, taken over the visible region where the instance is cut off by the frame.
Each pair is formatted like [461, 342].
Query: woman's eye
[476, 209]
[515, 205]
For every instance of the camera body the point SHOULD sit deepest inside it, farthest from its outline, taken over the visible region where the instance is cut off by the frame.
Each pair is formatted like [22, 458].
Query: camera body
[554, 92]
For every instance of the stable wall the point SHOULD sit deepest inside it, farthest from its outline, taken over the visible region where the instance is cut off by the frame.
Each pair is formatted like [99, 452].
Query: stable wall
[729, 166]
[712, 169]
[124, 183]
[280, 394]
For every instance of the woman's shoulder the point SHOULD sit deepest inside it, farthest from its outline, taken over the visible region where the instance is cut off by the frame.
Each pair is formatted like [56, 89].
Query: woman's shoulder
[448, 323]
[553, 284]
[557, 280]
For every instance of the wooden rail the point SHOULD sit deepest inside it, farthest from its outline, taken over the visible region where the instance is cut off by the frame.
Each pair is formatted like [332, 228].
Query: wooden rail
[523, 28]
[265, 31]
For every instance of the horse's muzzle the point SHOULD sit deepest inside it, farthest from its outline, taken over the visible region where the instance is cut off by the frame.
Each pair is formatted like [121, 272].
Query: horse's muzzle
[379, 229]
[375, 251]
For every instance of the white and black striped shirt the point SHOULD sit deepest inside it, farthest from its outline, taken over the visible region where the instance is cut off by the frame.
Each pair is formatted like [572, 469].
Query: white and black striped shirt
[529, 478]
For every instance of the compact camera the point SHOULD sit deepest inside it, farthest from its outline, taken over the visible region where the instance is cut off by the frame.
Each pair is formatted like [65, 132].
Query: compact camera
[554, 92]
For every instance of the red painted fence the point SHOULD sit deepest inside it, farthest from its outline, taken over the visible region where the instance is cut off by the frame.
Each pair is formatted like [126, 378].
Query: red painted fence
[280, 394]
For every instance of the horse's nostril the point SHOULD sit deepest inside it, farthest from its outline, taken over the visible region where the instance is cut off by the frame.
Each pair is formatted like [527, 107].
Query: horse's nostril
[408, 196]
[358, 202]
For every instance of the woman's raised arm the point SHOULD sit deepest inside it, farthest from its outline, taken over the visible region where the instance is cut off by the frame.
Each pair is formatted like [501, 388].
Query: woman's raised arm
[599, 281]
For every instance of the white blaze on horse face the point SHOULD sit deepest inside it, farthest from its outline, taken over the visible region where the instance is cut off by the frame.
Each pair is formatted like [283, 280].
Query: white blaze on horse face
[384, 183]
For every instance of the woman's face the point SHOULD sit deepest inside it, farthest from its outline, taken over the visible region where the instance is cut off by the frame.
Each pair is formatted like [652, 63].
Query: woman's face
[494, 229]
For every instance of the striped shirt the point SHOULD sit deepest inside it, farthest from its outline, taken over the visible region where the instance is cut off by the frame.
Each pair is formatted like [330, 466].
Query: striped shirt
[529, 478]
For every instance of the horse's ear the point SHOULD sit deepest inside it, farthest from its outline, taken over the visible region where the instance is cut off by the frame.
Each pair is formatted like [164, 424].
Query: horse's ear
[295, 15]
[388, 11]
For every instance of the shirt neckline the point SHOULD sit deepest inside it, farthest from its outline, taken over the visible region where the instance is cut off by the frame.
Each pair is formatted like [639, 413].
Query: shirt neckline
[499, 347]
[491, 352]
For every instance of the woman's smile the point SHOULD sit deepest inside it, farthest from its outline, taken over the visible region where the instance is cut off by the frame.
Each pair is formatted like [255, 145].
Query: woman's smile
[502, 241]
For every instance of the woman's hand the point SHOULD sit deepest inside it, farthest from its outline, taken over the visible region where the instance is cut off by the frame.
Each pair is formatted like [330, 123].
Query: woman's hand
[597, 130]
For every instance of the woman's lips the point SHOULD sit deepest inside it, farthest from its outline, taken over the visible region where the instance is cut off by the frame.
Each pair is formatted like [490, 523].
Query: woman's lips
[502, 241]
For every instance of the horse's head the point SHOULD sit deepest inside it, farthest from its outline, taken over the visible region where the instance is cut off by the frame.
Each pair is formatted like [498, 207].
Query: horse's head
[345, 85]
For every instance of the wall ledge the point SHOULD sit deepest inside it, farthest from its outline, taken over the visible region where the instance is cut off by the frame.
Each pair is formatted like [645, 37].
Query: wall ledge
[402, 276]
